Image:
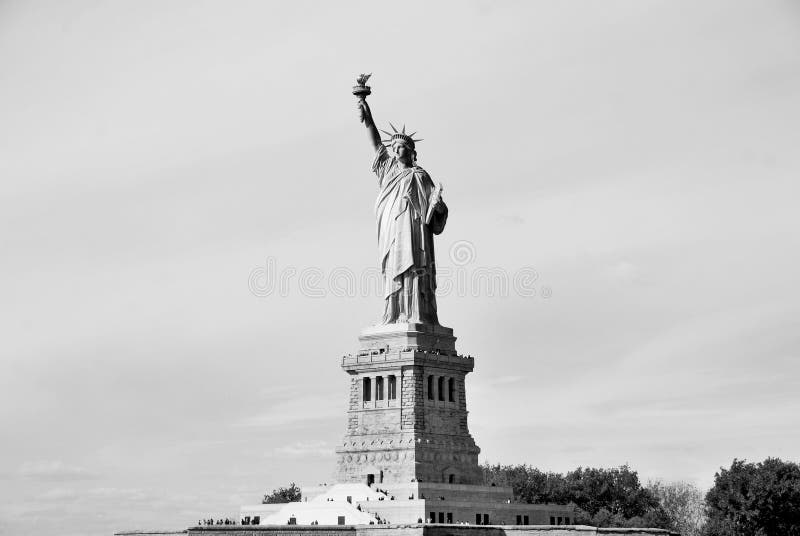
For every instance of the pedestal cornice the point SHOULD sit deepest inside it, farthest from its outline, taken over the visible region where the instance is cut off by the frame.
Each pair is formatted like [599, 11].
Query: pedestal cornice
[367, 360]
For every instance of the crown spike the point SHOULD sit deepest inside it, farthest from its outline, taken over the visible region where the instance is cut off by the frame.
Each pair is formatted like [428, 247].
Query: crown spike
[399, 136]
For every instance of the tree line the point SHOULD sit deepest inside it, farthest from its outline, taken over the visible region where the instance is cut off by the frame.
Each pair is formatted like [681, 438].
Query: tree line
[747, 499]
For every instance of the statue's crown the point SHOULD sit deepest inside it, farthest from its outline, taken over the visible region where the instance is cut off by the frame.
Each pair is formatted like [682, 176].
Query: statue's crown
[400, 136]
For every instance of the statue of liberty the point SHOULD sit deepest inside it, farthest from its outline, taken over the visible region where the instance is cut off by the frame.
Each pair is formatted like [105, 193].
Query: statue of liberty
[409, 211]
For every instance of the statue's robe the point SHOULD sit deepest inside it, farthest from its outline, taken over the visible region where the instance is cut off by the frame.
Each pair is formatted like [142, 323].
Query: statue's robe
[405, 241]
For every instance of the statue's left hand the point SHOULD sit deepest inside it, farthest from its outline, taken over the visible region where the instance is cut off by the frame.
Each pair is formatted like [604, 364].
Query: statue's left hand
[436, 198]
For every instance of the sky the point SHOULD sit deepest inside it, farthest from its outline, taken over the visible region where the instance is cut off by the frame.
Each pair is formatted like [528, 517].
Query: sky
[620, 258]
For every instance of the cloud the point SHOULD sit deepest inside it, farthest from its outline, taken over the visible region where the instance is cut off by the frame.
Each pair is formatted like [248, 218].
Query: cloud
[505, 380]
[123, 494]
[481, 386]
[303, 449]
[623, 270]
[100, 494]
[54, 470]
[59, 495]
[294, 411]
[514, 219]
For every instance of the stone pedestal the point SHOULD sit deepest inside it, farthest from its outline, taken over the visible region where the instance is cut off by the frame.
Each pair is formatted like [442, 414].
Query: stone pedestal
[407, 415]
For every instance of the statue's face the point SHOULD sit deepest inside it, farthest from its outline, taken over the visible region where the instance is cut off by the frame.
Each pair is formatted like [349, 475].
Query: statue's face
[404, 153]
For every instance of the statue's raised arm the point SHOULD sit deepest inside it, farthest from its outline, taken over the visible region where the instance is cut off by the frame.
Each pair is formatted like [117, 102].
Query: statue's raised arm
[365, 114]
[361, 90]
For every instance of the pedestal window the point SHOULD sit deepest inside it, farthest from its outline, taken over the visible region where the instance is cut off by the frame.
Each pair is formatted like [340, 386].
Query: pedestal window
[366, 389]
[379, 388]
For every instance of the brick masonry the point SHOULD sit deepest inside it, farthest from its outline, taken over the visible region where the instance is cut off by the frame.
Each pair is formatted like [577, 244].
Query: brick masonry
[416, 436]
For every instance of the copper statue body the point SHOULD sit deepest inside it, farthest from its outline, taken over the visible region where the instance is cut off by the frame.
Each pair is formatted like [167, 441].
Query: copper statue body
[409, 211]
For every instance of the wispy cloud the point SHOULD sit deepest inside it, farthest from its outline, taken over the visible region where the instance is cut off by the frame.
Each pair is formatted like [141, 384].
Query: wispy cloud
[99, 494]
[505, 380]
[302, 449]
[54, 470]
[60, 495]
[623, 270]
[294, 411]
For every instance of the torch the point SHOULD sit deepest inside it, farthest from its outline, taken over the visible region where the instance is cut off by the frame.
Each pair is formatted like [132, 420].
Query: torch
[361, 89]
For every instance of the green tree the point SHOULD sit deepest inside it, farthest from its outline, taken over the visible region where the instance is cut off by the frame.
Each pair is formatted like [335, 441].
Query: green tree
[617, 490]
[283, 495]
[602, 497]
[683, 505]
[750, 499]
[530, 485]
